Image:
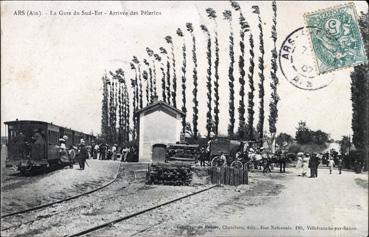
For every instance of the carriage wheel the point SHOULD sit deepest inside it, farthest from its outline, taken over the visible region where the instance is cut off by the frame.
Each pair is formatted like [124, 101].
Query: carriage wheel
[216, 162]
[237, 164]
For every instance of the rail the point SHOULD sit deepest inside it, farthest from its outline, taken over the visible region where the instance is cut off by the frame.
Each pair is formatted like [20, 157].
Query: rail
[66, 199]
[110, 223]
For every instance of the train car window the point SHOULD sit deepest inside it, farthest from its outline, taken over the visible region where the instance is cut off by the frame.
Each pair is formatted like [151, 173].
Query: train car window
[53, 137]
[11, 134]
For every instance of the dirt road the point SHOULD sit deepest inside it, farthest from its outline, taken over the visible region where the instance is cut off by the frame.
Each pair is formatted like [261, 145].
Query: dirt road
[274, 205]
[308, 207]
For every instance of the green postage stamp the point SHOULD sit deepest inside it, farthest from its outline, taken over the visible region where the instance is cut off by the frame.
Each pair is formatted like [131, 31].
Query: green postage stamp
[335, 38]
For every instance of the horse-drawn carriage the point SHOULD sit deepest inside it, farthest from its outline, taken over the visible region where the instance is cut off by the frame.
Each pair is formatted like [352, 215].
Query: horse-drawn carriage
[222, 146]
[223, 151]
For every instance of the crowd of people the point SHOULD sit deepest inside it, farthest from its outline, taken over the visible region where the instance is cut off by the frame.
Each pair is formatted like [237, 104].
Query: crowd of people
[80, 153]
[306, 161]
[100, 151]
[256, 157]
[103, 151]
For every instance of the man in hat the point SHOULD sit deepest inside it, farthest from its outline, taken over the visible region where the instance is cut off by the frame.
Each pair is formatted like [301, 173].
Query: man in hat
[202, 156]
[102, 151]
[317, 163]
[312, 165]
[82, 154]
[38, 146]
[21, 145]
[340, 164]
[282, 160]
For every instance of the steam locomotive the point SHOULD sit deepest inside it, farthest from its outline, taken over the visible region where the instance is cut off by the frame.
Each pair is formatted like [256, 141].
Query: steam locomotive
[34, 145]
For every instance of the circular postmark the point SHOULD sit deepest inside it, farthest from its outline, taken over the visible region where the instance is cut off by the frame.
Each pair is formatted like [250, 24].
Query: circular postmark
[297, 63]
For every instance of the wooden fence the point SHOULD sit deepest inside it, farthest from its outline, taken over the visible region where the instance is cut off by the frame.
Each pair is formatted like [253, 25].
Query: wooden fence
[228, 175]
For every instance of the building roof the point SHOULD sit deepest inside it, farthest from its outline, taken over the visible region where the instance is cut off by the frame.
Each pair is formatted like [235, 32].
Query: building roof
[158, 104]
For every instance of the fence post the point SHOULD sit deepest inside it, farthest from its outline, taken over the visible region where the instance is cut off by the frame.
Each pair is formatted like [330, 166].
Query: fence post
[222, 171]
[231, 176]
[226, 175]
[246, 176]
[236, 176]
[240, 176]
[212, 172]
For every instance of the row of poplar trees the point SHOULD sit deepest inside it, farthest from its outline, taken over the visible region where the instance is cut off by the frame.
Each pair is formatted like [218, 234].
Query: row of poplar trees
[161, 66]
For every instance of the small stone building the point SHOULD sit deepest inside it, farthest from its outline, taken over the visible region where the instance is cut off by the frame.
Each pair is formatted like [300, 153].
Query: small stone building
[158, 122]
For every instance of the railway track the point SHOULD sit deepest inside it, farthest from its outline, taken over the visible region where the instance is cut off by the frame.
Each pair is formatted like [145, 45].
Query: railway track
[126, 217]
[64, 200]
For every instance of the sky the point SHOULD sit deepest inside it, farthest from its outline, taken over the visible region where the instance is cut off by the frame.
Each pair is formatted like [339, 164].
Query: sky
[52, 65]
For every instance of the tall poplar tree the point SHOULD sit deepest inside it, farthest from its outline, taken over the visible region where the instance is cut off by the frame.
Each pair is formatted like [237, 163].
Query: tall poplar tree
[250, 95]
[183, 69]
[127, 114]
[228, 16]
[118, 78]
[125, 106]
[273, 109]
[244, 27]
[112, 112]
[164, 84]
[145, 77]
[168, 82]
[134, 102]
[150, 53]
[212, 16]
[260, 125]
[169, 40]
[148, 82]
[105, 109]
[209, 118]
[140, 93]
[195, 83]
[164, 95]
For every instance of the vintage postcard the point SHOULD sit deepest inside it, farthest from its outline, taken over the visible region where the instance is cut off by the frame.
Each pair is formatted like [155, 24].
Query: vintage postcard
[184, 118]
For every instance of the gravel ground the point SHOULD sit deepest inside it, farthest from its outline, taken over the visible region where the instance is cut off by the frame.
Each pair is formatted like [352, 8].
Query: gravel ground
[284, 202]
[200, 213]
[21, 192]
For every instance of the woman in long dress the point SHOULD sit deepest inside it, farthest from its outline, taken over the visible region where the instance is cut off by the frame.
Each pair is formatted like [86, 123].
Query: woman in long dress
[299, 163]
[331, 165]
[305, 164]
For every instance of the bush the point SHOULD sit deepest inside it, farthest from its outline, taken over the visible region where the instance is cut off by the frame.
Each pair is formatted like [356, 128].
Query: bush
[310, 147]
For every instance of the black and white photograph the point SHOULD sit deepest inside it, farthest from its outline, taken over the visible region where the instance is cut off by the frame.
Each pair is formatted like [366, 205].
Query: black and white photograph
[184, 118]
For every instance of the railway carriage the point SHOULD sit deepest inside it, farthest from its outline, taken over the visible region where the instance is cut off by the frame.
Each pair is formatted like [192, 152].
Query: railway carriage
[34, 145]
